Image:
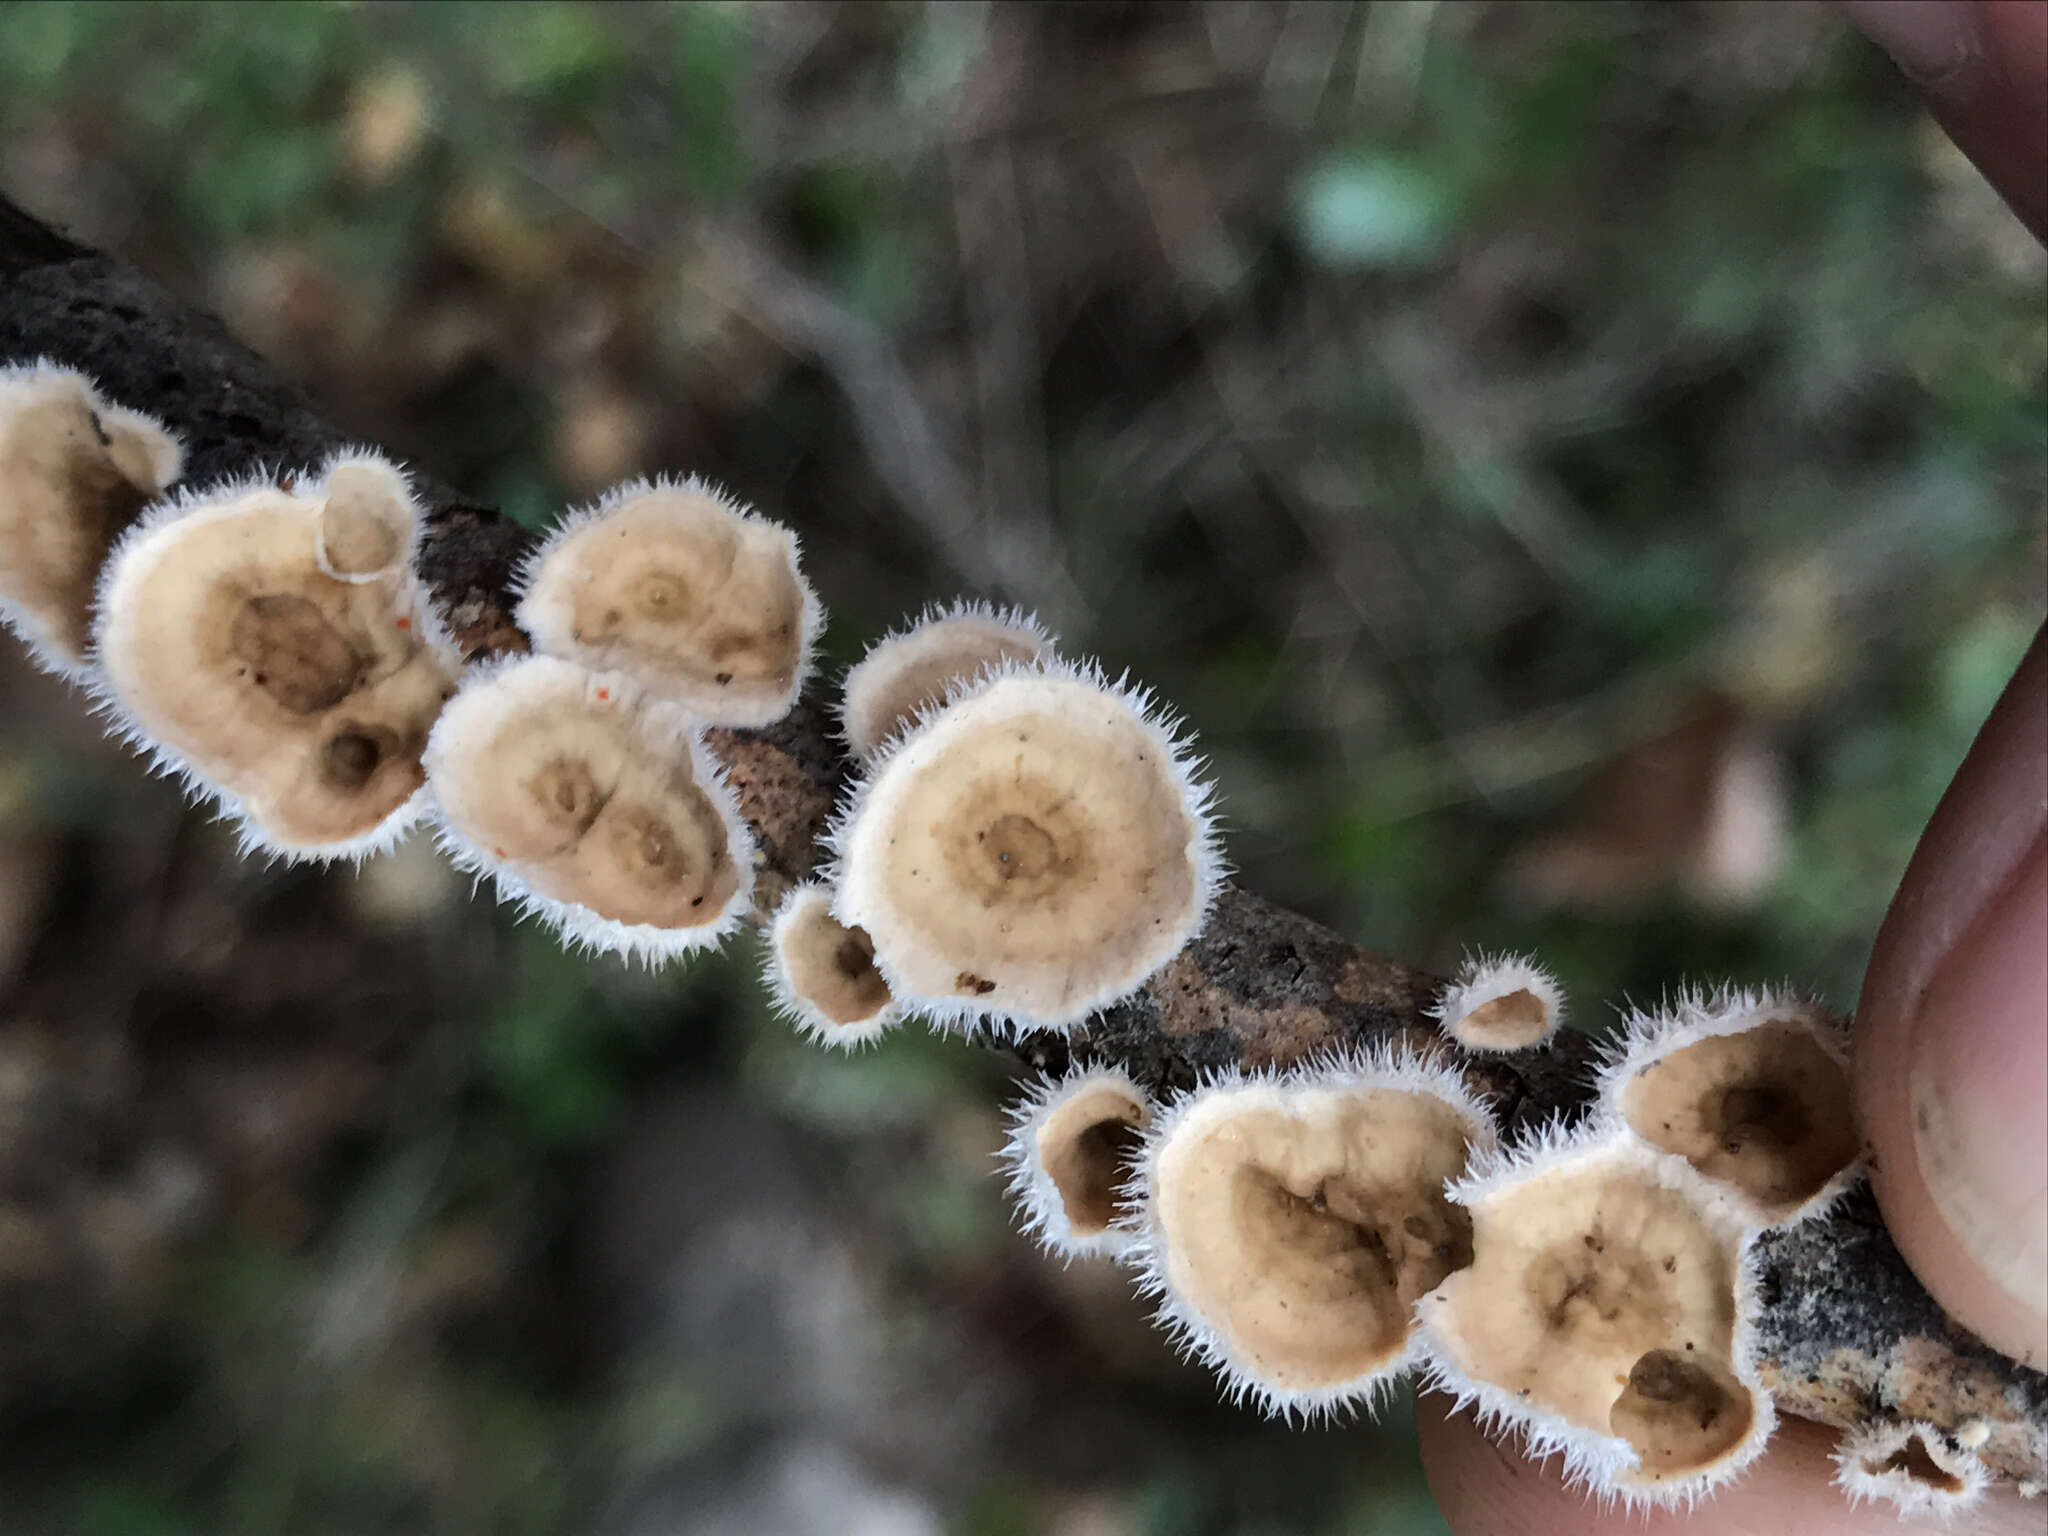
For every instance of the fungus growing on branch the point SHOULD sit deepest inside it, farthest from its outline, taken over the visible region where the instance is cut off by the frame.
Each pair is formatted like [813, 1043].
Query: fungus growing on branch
[369, 523]
[301, 700]
[1910, 1465]
[1751, 1089]
[1289, 1223]
[74, 472]
[1073, 1147]
[698, 600]
[822, 974]
[1500, 1003]
[1030, 853]
[1605, 1315]
[597, 808]
[911, 670]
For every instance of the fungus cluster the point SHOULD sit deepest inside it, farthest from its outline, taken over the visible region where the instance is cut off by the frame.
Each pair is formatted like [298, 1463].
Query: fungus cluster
[75, 470]
[1024, 843]
[1608, 1309]
[1309, 1233]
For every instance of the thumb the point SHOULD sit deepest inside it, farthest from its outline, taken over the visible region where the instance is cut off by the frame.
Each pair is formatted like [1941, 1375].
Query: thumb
[1952, 1036]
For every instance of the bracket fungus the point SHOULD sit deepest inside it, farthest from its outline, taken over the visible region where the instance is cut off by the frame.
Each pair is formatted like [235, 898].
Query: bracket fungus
[1072, 1150]
[301, 700]
[75, 470]
[911, 670]
[1910, 1465]
[1030, 853]
[1500, 1003]
[1752, 1089]
[1289, 1222]
[1606, 1315]
[697, 599]
[597, 808]
[822, 974]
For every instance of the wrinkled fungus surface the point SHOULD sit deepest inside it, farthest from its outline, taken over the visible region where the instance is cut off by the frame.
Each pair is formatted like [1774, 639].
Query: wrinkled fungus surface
[1768, 1111]
[698, 601]
[305, 698]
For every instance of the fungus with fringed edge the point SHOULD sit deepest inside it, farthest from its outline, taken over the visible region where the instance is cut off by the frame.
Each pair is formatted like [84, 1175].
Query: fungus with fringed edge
[300, 699]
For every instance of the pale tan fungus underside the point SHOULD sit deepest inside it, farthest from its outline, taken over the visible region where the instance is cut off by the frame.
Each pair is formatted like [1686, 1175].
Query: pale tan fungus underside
[1506, 1023]
[566, 788]
[1087, 1145]
[69, 483]
[1606, 1299]
[1033, 849]
[913, 671]
[1768, 1111]
[694, 601]
[308, 698]
[1303, 1235]
[830, 966]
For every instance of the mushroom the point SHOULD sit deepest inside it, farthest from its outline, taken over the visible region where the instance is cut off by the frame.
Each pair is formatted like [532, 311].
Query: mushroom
[698, 600]
[595, 806]
[1073, 1147]
[1290, 1222]
[822, 974]
[1500, 1003]
[369, 521]
[1909, 1465]
[1606, 1314]
[910, 671]
[74, 472]
[1029, 854]
[300, 700]
[1752, 1089]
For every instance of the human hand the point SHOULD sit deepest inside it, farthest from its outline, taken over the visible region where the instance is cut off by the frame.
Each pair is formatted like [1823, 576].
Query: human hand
[1952, 1048]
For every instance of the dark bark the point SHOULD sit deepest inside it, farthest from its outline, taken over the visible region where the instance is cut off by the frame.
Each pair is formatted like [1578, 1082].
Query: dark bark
[1846, 1331]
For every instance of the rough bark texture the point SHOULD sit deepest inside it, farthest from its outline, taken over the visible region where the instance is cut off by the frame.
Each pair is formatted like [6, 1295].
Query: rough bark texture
[1846, 1332]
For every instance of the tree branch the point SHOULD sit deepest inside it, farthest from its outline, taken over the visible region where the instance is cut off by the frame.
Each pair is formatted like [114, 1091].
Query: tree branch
[1846, 1331]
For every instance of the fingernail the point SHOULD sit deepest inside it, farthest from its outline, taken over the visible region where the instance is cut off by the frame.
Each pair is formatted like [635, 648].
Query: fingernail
[1980, 1084]
[1934, 41]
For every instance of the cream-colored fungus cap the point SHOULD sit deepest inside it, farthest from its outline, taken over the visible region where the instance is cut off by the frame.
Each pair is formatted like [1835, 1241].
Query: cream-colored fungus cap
[1500, 1003]
[1073, 1147]
[1750, 1088]
[1289, 1223]
[822, 974]
[597, 808]
[1030, 853]
[75, 469]
[694, 597]
[1912, 1466]
[369, 519]
[300, 700]
[1606, 1315]
[911, 670]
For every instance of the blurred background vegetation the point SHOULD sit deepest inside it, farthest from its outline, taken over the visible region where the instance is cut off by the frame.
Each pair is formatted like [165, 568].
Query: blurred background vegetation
[1580, 467]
